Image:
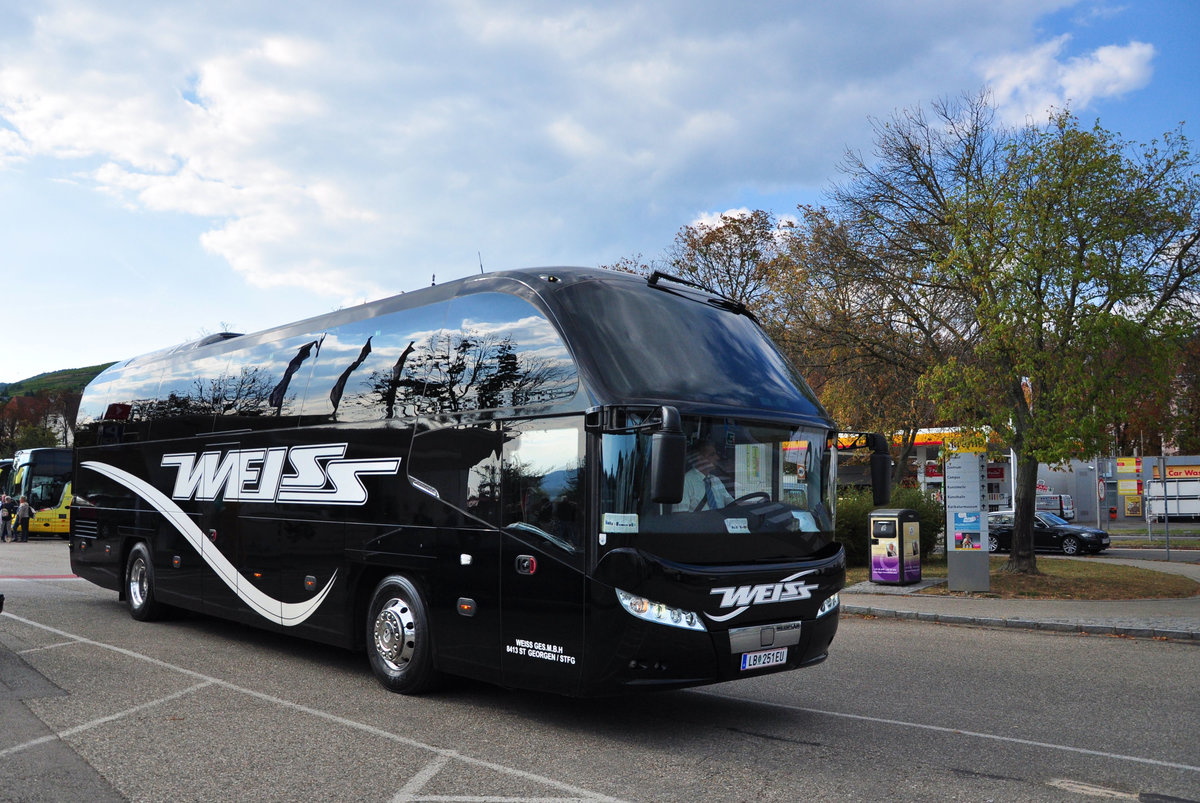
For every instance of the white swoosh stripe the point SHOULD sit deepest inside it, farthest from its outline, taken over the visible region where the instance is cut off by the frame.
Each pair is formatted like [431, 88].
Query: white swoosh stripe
[288, 614]
[727, 616]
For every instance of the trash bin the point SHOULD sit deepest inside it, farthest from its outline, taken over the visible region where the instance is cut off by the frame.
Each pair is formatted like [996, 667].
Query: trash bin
[895, 546]
[1112, 514]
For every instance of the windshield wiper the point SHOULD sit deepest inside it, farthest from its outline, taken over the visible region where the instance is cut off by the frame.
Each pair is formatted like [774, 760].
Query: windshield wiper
[718, 300]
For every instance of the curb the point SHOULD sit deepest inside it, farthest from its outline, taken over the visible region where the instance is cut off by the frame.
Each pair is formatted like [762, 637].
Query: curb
[1084, 628]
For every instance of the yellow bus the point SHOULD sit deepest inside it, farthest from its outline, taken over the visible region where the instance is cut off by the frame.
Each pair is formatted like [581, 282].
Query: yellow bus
[43, 476]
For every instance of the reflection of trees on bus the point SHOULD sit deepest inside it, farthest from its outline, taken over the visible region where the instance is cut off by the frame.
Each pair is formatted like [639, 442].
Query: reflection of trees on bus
[548, 500]
[279, 392]
[455, 372]
[244, 394]
[528, 496]
[247, 393]
[335, 395]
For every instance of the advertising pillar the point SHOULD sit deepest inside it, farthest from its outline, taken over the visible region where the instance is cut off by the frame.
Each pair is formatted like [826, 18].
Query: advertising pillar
[966, 520]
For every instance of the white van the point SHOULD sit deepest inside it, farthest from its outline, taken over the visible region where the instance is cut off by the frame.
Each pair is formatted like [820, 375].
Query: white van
[1058, 504]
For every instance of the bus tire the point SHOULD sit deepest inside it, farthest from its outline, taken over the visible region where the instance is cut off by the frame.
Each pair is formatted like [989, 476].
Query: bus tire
[139, 585]
[399, 641]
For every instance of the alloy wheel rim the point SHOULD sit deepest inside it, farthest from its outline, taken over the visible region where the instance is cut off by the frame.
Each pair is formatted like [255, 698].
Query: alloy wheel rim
[138, 583]
[395, 634]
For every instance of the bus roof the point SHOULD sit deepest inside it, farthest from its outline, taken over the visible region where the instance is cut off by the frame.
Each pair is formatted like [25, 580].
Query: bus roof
[631, 341]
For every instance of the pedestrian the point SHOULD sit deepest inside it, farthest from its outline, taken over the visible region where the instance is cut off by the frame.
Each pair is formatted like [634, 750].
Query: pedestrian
[6, 509]
[6, 531]
[24, 514]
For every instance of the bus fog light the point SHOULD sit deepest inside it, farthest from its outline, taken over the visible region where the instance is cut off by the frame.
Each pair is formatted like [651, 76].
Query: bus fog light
[651, 611]
[828, 605]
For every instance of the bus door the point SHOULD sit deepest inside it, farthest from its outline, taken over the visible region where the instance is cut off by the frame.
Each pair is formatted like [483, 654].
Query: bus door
[542, 582]
[454, 472]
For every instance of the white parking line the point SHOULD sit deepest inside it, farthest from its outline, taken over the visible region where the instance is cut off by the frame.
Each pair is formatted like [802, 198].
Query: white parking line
[411, 793]
[102, 720]
[578, 794]
[53, 646]
[418, 781]
[957, 732]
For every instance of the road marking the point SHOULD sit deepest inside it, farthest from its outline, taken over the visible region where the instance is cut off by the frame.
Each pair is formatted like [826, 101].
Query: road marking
[957, 732]
[102, 720]
[418, 781]
[578, 793]
[53, 646]
[411, 791]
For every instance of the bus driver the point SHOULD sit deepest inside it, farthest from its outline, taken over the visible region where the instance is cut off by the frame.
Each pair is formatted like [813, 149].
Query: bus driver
[702, 488]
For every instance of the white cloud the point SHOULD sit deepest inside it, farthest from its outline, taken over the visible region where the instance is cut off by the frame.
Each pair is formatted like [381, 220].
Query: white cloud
[1108, 71]
[1027, 83]
[713, 219]
[355, 150]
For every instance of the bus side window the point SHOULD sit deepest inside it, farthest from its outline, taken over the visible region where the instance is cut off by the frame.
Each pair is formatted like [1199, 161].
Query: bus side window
[374, 369]
[541, 479]
[185, 407]
[497, 351]
[262, 384]
[462, 464]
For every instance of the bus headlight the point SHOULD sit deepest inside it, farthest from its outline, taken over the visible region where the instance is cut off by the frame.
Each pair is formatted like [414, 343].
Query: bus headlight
[828, 605]
[656, 612]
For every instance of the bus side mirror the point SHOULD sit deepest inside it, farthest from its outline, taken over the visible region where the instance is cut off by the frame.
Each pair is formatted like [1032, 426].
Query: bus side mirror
[668, 453]
[881, 469]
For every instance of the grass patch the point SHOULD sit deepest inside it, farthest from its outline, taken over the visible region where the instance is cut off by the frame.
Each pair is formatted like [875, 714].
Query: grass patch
[1063, 579]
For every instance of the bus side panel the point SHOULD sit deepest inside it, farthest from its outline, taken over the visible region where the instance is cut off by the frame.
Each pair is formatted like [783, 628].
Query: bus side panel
[109, 517]
[544, 604]
[449, 565]
[467, 638]
[53, 520]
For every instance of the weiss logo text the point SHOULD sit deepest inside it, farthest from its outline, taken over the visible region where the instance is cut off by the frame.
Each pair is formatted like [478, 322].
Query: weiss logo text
[789, 589]
[762, 594]
[306, 475]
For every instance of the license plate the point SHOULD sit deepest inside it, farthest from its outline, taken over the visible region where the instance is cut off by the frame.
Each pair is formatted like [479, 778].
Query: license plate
[757, 660]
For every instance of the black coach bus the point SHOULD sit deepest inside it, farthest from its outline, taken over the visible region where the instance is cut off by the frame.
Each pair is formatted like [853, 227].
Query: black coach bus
[486, 478]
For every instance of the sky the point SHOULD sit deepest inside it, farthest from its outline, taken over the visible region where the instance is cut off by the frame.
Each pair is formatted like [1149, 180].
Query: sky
[169, 170]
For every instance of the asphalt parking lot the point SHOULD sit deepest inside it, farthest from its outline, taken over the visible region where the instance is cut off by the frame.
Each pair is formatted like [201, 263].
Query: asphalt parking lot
[97, 706]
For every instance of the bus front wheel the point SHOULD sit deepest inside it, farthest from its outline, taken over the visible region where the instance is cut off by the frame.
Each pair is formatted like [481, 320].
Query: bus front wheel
[399, 643]
[139, 591]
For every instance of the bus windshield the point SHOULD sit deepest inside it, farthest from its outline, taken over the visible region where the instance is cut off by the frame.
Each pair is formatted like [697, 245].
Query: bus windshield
[704, 345]
[743, 477]
[41, 475]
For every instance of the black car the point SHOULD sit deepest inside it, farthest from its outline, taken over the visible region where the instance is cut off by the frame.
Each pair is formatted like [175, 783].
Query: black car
[1050, 533]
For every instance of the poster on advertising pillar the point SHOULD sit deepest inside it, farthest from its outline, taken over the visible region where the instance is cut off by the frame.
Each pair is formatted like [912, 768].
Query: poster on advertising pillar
[966, 521]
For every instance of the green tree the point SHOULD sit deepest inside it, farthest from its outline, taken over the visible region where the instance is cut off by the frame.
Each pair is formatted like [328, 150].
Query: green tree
[1185, 409]
[1041, 252]
[33, 437]
[864, 351]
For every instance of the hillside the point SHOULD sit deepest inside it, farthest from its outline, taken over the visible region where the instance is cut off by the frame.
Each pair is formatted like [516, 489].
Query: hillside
[73, 379]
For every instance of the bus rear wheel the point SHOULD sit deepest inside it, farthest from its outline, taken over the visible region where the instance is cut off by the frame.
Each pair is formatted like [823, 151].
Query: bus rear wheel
[139, 591]
[399, 643]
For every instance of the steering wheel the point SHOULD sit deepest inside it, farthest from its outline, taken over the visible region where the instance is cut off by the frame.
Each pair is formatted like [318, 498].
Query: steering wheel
[747, 498]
